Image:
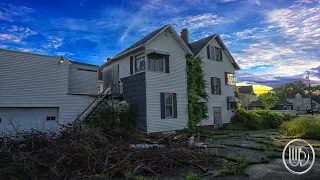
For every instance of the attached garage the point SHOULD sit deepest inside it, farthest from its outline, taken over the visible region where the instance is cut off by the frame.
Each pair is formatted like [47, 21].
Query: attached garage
[28, 118]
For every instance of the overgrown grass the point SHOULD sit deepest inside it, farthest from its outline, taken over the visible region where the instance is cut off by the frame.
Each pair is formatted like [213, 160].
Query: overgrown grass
[193, 176]
[302, 126]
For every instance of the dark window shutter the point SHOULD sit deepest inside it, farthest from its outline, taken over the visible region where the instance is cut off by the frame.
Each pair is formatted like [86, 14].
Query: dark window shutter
[220, 54]
[212, 86]
[175, 110]
[162, 104]
[227, 103]
[208, 52]
[226, 77]
[219, 85]
[166, 62]
[131, 65]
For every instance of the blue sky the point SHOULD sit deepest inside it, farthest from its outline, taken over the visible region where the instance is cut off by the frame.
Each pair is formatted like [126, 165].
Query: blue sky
[273, 41]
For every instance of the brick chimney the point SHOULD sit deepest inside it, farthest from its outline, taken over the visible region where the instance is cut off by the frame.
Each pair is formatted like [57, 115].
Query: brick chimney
[185, 35]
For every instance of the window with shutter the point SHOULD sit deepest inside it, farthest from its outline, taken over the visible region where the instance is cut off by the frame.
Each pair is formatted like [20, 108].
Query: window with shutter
[168, 105]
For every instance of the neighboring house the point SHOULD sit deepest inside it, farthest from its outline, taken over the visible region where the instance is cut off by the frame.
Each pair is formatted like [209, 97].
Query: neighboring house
[282, 104]
[42, 92]
[258, 104]
[247, 95]
[302, 105]
[153, 75]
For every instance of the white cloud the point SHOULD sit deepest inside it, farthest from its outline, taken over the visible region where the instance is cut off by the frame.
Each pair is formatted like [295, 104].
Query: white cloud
[290, 41]
[16, 34]
[64, 54]
[53, 42]
[10, 37]
[9, 12]
[199, 21]
[226, 1]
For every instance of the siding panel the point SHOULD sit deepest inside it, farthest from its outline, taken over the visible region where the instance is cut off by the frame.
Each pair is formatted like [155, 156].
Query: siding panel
[217, 69]
[173, 82]
[134, 92]
[83, 79]
[30, 80]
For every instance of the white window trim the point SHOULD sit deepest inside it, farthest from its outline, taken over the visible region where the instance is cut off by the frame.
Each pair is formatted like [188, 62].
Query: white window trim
[233, 83]
[165, 105]
[163, 65]
[135, 64]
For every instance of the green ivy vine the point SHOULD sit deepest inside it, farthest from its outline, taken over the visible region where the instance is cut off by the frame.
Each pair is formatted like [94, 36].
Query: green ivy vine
[196, 91]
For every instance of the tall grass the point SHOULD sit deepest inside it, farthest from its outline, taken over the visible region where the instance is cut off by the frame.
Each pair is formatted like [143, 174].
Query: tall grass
[302, 126]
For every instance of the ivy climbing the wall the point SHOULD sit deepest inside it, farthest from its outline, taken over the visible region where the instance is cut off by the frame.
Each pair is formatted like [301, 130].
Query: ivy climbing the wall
[196, 91]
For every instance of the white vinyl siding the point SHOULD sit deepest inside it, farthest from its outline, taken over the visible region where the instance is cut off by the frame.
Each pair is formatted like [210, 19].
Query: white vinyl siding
[83, 79]
[173, 82]
[29, 80]
[124, 65]
[213, 68]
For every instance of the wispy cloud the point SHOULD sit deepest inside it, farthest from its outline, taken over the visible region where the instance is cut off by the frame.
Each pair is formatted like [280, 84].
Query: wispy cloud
[16, 33]
[53, 42]
[199, 21]
[9, 12]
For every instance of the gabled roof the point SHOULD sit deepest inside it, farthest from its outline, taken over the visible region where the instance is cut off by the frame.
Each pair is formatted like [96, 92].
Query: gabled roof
[246, 89]
[198, 45]
[284, 101]
[143, 40]
[147, 39]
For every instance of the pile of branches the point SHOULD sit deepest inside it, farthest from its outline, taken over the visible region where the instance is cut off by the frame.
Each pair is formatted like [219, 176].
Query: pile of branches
[82, 152]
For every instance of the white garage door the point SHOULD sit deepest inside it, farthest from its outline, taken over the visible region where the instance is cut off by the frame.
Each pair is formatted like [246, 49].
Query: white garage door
[26, 119]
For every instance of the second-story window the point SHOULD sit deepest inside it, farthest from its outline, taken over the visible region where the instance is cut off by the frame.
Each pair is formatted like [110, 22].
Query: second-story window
[215, 85]
[214, 53]
[230, 80]
[156, 63]
[139, 63]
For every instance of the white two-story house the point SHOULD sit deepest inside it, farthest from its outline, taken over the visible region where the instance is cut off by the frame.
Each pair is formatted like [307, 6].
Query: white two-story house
[43, 92]
[153, 75]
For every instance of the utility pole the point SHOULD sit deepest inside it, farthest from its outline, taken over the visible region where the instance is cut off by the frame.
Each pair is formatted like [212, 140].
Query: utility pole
[308, 78]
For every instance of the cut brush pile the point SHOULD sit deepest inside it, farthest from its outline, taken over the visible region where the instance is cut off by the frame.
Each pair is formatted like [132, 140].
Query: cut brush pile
[83, 152]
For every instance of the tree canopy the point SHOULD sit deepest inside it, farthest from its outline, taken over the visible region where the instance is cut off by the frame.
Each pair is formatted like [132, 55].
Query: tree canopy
[269, 99]
[289, 90]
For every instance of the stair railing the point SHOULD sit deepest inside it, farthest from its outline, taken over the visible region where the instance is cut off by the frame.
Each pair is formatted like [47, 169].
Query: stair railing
[103, 94]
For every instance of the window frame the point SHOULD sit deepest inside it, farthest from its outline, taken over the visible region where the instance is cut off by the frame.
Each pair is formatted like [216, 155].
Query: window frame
[217, 87]
[166, 95]
[215, 53]
[138, 69]
[233, 83]
[161, 61]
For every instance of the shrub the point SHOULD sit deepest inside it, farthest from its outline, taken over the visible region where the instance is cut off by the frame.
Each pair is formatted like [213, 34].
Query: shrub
[250, 120]
[272, 119]
[108, 117]
[258, 119]
[302, 126]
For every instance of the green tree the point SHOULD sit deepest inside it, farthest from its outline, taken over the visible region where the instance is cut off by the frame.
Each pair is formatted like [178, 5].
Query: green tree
[289, 90]
[269, 99]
